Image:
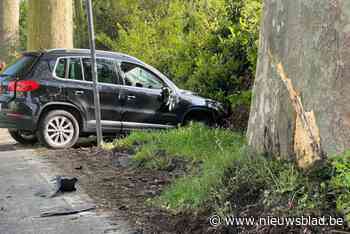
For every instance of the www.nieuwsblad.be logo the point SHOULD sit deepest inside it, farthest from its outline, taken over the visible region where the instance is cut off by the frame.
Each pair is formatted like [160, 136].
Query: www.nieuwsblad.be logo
[230, 220]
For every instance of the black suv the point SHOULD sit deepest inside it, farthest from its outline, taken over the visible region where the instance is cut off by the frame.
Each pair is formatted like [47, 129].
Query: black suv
[49, 96]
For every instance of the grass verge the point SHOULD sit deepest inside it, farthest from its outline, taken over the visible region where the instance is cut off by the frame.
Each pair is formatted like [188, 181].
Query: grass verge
[221, 175]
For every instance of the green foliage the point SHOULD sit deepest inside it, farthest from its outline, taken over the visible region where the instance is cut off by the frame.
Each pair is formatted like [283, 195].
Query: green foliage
[206, 46]
[341, 182]
[277, 187]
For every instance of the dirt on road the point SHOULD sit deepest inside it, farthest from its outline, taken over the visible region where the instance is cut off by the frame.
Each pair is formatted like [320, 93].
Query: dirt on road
[124, 191]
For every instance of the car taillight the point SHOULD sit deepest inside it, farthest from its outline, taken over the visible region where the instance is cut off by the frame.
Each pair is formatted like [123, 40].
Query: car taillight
[23, 86]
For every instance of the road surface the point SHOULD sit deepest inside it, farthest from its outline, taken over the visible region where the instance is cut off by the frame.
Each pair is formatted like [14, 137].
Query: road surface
[26, 183]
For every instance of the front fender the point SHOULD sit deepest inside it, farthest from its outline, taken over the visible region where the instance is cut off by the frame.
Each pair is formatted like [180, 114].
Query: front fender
[202, 109]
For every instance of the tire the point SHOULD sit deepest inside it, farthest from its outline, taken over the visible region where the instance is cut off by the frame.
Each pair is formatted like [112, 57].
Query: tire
[58, 129]
[205, 120]
[23, 137]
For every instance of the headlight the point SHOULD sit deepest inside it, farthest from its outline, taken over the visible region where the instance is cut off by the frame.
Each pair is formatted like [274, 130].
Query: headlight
[214, 104]
[219, 107]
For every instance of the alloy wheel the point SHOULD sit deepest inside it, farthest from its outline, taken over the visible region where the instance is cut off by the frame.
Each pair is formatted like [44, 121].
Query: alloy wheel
[59, 131]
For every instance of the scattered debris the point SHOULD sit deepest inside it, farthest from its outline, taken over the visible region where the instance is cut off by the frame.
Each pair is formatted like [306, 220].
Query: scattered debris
[121, 159]
[150, 192]
[124, 191]
[64, 185]
[123, 207]
[59, 211]
[139, 231]
[40, 194]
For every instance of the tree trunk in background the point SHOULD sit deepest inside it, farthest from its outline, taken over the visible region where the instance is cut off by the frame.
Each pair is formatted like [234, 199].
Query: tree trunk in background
[50, 24]
[9, 29]
[312, 41]
[81, 39]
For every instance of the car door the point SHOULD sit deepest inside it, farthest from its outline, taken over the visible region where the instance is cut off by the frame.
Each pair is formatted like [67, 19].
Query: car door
[69, 70]
[109, 88]
[141, 97]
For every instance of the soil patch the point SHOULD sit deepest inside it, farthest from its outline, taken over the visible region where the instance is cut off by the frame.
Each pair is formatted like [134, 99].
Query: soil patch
[123, 191]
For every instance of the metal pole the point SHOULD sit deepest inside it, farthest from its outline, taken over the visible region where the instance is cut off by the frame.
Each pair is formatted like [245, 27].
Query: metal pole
[94, 73]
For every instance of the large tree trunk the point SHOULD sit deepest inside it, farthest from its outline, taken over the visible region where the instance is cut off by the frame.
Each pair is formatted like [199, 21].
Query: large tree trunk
[50, 24]
[9, 29]
[311, 39]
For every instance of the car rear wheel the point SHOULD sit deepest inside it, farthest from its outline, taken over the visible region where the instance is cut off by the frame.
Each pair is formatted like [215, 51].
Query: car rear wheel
[58, 129]
[23, 137]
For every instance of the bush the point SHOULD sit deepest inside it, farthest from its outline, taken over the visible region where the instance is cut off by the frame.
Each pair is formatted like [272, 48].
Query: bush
[341, 183]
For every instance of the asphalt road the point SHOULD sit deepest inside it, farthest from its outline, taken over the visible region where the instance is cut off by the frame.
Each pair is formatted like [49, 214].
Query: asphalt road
[26, 183]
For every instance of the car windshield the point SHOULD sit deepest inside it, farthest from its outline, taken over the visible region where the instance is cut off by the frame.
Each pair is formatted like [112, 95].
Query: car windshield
[21, 66]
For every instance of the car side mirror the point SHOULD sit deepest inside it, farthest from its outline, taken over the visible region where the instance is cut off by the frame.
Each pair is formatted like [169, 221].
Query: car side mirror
[165, 94]
[169, 97]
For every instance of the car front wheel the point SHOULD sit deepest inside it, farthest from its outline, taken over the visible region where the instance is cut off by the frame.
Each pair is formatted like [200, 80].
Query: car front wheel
[23, 137]
[58, 129]
[203, 119]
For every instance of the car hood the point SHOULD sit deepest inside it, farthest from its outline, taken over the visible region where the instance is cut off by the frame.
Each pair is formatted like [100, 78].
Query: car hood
[197, 100]
[188, 92]
[194, 98]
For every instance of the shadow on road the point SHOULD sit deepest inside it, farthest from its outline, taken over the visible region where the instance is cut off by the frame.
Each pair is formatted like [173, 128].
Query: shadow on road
[14, 147]
[7, 147]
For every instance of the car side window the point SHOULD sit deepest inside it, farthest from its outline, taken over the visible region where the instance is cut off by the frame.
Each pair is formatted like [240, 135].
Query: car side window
[61, 66]
[75, 71]
[137, 76]
[106, 71]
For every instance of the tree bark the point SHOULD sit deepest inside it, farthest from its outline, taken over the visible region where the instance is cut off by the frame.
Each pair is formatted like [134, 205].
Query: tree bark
[9, 29]
[50, 24]
[311, 41]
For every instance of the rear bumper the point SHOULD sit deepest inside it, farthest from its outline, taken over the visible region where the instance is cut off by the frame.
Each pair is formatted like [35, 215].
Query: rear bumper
[17, 115]
[16, 121]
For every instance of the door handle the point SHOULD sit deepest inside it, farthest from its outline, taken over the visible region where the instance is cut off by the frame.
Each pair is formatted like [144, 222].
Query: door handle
[130, 97]
[79, 92]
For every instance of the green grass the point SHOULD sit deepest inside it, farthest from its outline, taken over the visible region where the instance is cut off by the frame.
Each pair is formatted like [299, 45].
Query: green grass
[222, 174]
[213, 149]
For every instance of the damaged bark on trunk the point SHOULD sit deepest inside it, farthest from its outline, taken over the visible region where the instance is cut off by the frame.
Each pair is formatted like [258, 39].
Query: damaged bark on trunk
[311, 41]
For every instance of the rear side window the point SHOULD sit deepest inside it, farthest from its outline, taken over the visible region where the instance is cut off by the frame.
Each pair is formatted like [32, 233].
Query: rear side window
[21, 66]
[87, 69]
[61, 67]
[75, 70]
[106, 70]
[69, 68]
